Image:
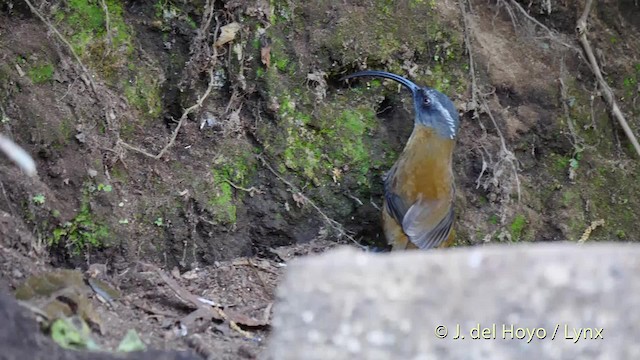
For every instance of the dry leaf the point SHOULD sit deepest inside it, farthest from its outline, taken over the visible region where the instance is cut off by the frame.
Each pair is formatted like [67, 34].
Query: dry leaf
[336, 174]
[227, 33]
[245, 320]
[299, 199]
[265, 55]
[587, 232]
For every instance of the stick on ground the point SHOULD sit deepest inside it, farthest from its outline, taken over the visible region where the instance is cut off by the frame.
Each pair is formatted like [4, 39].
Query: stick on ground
[607, 93]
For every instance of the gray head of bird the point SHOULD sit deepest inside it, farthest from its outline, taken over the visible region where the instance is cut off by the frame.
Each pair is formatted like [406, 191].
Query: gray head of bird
[433, 109]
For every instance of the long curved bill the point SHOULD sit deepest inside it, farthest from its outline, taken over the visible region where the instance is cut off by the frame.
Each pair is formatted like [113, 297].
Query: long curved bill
[409, 84]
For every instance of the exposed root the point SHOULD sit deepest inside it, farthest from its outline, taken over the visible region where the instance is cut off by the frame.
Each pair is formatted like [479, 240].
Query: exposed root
[174, 135]
[479, 104]
[105, 8]
[594, 225]
[607, 93]
[552, 34]
[252, 190]
[332, 223]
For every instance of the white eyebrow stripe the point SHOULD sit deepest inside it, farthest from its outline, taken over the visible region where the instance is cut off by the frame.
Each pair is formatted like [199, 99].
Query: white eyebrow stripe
[444, 112]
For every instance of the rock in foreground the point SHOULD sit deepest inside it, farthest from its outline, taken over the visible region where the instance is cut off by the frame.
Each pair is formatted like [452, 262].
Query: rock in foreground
[552, 301]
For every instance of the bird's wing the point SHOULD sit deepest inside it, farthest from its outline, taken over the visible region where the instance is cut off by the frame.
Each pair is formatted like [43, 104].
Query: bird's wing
[428, 223]
[395, 206]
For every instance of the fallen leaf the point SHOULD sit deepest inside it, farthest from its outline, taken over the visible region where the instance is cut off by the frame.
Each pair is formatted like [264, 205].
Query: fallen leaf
[175, 272]
[245, 320]
[299, 199]
[131, 342]
[336, 174]
[227, 33]
[20, 71]
[265, 50]
[265, 55]
[73, 333]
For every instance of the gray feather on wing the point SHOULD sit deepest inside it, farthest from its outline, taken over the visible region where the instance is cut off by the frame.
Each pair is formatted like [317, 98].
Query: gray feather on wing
[427, 234]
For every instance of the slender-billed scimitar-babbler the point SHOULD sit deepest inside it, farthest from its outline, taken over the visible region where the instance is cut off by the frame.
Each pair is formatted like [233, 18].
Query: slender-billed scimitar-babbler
[419, 189]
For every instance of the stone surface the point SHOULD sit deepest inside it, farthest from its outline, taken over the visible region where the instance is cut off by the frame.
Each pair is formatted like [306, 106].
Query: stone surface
[351, 305]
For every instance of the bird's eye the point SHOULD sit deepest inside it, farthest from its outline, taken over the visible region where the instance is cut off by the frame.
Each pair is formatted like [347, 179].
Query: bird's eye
[426, 101]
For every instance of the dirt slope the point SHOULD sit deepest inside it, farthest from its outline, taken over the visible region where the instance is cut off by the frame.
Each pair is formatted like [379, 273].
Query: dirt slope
[287, 154]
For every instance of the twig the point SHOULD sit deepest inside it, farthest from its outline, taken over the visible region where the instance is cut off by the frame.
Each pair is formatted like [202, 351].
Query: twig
[607, 93]
[186, 113]
[252, 190]
[508, 155]
[107, 25]
[202, 309]
[332, 223]
[179, 290]
[375, 206]
[575, 140]
[472, 71]
[200, 101]
[358, 201]
[552, 34]
[151, 310]
[6, 198]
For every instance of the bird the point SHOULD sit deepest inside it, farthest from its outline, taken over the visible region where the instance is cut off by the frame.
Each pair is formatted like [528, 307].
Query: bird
[419, 189]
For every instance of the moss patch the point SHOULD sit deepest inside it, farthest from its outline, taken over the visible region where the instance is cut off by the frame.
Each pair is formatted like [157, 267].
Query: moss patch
[85, 230]
[41, 73]
[331, 138]
[237, 170]
[109, 50]
[516, 229]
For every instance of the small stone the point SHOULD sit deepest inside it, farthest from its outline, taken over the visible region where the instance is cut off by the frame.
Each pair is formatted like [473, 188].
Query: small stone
[17, 274]
[82, 138]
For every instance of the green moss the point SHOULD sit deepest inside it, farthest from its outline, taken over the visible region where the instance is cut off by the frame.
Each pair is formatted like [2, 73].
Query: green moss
[119, 173]
[494, 219]
[192, 24]
[111, 52]
[236, 170]
[279, 58]
[41, 73]
[64, 133]
[281, 64]
[83, 232]
[516, 229]
[222, 202]
[560, 163]
[144, 94]
[86, 24]
[330, 142]
[340, 132]
[351, 141]
[280, 11]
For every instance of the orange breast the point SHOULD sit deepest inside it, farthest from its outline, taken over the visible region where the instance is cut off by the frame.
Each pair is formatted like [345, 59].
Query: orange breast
[424, 167]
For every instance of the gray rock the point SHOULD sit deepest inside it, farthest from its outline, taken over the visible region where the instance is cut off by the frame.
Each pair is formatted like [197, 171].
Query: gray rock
[509, 302]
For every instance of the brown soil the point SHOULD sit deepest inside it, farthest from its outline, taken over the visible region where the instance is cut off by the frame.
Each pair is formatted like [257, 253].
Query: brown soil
[168, 212]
